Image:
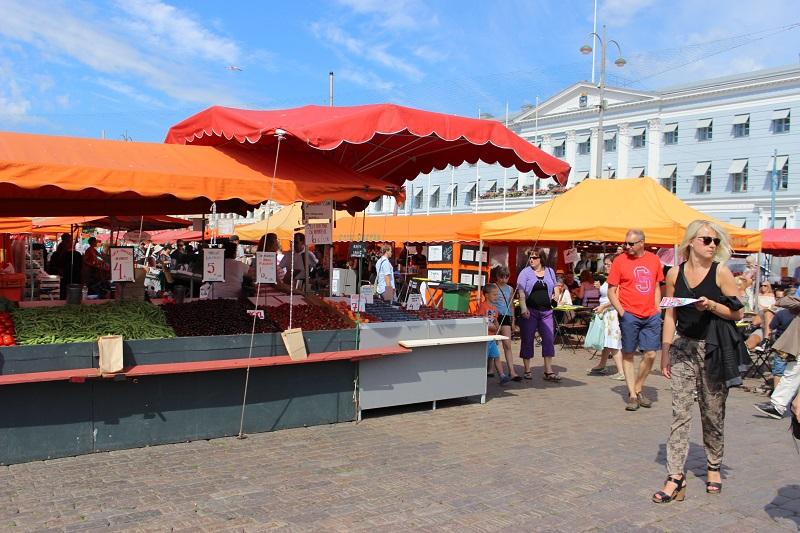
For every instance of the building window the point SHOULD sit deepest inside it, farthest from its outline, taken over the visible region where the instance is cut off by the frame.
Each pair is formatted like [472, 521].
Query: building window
[469, 197]
[378, 204]
[738, 171]
[584, 144]
[452, 196]
[669, 178]
[559, 150]
[639, 137]
[702, 176]
[705, 129]
[782, 166]
[418, 199]
[610, 145]
[671, 133]
[741, 126]
[781, 121]
[435, 198]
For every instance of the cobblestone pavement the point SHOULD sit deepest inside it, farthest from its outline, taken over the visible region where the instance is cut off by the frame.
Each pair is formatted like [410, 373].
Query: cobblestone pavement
[536, 457]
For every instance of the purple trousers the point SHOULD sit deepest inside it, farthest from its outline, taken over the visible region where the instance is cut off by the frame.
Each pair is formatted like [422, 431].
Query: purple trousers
[541, 321]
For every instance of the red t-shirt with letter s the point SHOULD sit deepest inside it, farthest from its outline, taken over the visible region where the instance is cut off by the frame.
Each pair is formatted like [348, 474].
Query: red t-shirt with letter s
[637, 279]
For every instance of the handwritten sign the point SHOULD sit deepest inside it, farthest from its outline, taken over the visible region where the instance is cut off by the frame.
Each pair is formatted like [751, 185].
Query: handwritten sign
[259, 313]
[358, 249]
[213, 264]
[319, 233]
[322, 210]
[266, 267]
[435, 254]
[414, 302]
[671, 301]
[121, 263]
[468, 254]
[357, 303]
[368, 293]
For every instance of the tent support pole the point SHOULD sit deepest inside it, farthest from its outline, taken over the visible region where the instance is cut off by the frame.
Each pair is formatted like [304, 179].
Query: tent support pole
[480, 269]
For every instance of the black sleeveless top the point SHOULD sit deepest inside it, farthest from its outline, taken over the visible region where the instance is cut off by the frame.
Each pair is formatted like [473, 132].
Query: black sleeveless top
[538, 298]
[691, 322]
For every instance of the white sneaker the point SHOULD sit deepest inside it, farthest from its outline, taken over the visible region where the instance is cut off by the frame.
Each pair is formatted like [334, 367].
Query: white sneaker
[619, 376]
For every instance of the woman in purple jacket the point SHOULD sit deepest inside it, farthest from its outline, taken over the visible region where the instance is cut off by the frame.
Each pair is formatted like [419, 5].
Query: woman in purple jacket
[535, 287]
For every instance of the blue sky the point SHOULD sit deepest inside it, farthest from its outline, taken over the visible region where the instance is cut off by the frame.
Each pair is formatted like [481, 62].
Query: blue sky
[136, 67]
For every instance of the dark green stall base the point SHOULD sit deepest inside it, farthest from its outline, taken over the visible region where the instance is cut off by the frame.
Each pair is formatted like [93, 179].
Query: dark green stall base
[58, 419]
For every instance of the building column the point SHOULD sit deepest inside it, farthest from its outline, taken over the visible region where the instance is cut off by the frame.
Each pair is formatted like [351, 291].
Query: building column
[571, 154]
[654, 147]
[547, 144]
[623, 149]
[596, 144]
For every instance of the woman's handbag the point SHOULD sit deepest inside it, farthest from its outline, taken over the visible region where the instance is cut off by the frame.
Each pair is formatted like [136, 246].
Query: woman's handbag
[596, 335]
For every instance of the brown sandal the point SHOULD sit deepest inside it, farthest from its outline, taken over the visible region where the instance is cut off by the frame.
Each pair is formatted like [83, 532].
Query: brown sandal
[552, 376]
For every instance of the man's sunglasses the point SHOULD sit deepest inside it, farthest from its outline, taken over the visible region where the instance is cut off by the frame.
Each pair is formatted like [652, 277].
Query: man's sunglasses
[631, 244]
[708, 240]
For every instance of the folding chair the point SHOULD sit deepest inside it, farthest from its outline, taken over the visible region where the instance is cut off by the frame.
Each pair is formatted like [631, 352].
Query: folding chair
[760, 357]
[572, 332]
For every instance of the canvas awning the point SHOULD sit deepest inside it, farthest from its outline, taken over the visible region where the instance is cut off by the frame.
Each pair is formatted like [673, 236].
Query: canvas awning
[609, 135]
[591, 211]
[558, 143]
[491, 185]
[43, 175]
[703, 123]
[780, 114]
[637, 172]
[581, 175]
[470, 187]
[737, 166]
[451, 188]
[582, 138]
[416, 228]
[386, 141]
[781, 241]
[701, 168]
[782, 160]
[512, 185]
[637, 132]
[434, 190]
[669, 128]
[668, 170]
[741, 119]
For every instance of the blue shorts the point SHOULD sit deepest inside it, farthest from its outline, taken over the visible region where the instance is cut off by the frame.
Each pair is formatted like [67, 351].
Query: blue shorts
[778, 365]
[640, 333]
[492, 351]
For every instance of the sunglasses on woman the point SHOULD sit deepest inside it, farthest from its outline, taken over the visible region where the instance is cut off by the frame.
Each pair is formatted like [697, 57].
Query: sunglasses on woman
[708, 240]
[533, 257]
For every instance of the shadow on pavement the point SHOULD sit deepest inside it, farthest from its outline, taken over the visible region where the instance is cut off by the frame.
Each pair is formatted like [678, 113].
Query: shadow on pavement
[650, 392]
[695, 461]
[785, 504]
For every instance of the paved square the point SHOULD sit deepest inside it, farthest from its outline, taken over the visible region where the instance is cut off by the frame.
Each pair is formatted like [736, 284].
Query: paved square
[536, 457]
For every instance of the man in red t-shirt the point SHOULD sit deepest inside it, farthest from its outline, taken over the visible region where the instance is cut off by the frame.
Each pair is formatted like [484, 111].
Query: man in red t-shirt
[634, 291]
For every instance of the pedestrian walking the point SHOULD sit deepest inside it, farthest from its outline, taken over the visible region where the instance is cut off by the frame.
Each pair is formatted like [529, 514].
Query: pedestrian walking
[612, 343]
[535, 288]
[686, 354]
[505, 319]
[635, 293]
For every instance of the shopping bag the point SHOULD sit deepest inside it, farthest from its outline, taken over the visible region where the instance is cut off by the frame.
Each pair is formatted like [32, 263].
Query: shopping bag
[110, 349]
[596, 335]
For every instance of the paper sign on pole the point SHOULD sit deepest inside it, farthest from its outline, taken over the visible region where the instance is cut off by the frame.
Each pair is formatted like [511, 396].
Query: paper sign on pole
[571, 255]
[256, 312]
[266, 267]
[368, 294]
[414, 302]
[213, 264]
[357, 303]
[225, 226]
[319, 233]
[322, 210]
[121, 263]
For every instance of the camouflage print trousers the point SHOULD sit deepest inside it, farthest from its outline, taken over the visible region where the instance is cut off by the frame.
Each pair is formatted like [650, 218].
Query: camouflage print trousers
[689, 376]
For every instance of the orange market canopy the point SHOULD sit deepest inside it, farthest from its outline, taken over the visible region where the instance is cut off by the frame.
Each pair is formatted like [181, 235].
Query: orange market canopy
[604, 210]
[386, 141]
[283, 223]
[53, 176]
[123, 222]
[411, 228]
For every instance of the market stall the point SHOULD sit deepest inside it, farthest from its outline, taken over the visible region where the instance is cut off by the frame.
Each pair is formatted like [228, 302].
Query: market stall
[781, 242]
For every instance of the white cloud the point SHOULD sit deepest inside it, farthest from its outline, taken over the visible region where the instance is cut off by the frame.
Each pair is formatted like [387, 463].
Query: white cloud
[394, 14]
[130, 92]
[124, 51]
[620, 12]
[376, 53]
[430, 54]
[369, 80]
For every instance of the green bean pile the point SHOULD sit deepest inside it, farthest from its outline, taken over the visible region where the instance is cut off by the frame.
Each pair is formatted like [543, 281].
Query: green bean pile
[85, 323]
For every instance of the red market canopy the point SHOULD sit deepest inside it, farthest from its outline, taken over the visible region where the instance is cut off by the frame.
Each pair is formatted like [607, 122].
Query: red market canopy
[780, 241]
[386, 141]
[43, 175]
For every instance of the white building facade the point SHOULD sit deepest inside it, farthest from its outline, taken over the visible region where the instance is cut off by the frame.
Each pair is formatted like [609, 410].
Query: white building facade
[711, 143]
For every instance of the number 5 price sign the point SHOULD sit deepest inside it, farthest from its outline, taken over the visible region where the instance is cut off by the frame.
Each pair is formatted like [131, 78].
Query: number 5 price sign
[121, 263]
[213, 264]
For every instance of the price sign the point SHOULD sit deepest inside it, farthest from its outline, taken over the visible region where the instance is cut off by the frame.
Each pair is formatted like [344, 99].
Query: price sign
[322, 210]
[213, 264]
[256, 312]
[358, 249]
[225, 226]
[571, 255]
[266, 267]
[357, 303]
[121, 263]
[414, 302]
[435, 254]
[368, 294]
[319, 233]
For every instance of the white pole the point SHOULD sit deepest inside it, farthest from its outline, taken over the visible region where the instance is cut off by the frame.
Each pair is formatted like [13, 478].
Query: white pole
[594, 37]
[330, 88]
[477, 177]
[428, 199]
[480, 269]
[453, 198]
[505, 170]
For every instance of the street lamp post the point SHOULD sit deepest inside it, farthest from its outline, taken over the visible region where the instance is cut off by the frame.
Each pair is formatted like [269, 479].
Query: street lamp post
[620, 62]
